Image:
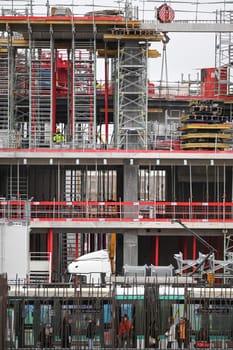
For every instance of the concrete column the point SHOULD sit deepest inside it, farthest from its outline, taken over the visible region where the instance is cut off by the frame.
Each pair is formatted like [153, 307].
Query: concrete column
[130, 239]
[130, 247]
[130, 183]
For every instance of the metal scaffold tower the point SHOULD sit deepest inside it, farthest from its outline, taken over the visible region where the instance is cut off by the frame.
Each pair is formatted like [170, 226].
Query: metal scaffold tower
[83, 102]
[13, 78]
[21, 104]
[4, 89]
[131, 95]
[224, 56]
[41, 92]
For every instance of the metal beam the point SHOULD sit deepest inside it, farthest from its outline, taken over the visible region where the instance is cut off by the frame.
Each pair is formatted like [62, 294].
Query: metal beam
[184, 27]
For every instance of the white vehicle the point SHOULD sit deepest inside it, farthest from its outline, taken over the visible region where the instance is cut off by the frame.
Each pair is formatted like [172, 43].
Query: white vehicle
[92, 267]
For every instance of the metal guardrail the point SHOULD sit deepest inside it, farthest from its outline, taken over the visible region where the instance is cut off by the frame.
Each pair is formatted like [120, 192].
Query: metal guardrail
[115, 211]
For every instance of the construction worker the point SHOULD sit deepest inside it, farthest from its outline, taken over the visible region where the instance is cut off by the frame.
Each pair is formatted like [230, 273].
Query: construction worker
[58, 138]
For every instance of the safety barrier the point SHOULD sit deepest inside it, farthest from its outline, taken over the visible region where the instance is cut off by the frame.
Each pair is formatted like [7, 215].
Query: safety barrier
[115, 211]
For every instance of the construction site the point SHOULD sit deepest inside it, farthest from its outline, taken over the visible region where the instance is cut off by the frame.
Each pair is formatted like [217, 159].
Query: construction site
[96, 154]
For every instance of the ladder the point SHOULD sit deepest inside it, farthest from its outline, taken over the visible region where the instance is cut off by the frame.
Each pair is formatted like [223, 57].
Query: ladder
[84, 94]
[4, 95]
[40, 95]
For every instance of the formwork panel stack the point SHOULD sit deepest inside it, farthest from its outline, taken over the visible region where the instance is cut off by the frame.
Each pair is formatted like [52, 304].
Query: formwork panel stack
[205, 128]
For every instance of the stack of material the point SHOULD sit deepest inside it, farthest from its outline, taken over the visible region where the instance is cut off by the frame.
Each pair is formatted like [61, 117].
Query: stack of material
[205, 128]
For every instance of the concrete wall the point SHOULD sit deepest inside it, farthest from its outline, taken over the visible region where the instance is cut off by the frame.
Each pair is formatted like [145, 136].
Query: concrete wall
[14, 250]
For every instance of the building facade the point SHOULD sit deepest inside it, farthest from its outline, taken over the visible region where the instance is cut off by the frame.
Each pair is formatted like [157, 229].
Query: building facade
[113, 163]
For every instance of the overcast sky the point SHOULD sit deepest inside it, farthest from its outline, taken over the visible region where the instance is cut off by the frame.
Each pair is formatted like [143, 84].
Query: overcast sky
[186, 53]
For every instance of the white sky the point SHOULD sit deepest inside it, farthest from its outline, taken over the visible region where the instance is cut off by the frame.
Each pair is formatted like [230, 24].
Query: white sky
[186, 53]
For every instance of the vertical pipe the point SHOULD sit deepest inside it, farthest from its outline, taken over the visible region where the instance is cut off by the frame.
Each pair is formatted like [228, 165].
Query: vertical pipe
[225, 249]
[218, 248]
[72, 89]
[156, 250]
[174, 183]
[58, 182]
[76, 245]
[117, 97]
[185, 248]
[106, 63]
[50, 251]
[217, 188]
[11, 64]
[190, 191]
[194, 248]
[18, 180]
[69, 90]
[50, 241]
[224, 192]
[91, 93]
[146, 93]
[32, 88]
[231, 190]
[207, 190]
[53, 92]
[94, 129]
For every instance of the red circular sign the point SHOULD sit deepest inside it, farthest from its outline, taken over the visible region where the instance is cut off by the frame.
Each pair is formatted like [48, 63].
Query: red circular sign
[165, 14]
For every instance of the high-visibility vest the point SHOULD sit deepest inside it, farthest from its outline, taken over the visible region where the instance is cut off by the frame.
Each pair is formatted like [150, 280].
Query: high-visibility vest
[58, 138]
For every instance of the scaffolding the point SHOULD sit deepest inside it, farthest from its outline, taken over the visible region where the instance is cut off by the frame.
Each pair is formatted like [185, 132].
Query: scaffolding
[34, 103]
[40, 94]
[4, 100]
[131, 95]
[224, 56]
[83, 102]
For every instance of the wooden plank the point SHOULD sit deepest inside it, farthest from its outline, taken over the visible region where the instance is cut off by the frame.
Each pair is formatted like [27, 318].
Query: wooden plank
[113, 53]
[205, 126]
[155, 110]
[146, 36]
[107, 52]
[15, 42]
[208, 135]
[201, 145]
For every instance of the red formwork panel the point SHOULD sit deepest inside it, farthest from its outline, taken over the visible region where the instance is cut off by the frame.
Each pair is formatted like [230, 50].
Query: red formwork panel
[213, 82]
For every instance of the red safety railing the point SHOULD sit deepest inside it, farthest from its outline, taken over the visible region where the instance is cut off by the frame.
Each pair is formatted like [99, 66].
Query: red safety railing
[115, 211]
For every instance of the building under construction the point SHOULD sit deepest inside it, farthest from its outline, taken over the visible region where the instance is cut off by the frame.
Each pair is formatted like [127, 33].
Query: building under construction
[95, 155]
[90, 163]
